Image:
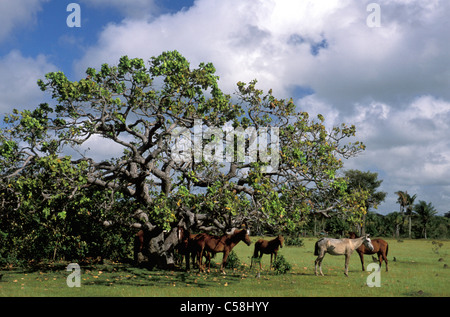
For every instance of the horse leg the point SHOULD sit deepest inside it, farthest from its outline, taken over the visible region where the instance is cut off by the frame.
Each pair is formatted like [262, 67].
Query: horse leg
[208, 258]
[199, 260]
[347, 260]
[319, 261]
[380, 259]
[271, 255]
[193, 256]
[224, 261]
[254, 257]
[383, 257]
[315, 265]
[320, 265]
[187, 256]
[361, 256]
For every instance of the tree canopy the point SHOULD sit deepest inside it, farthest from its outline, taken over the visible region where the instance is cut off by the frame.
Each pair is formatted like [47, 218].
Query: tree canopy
[142, 108]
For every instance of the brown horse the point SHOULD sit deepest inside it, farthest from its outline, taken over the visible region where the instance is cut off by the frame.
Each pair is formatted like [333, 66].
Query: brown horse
[138, 245]
[187, 245]
[380, 247]
[139, 241]
[267, 247]
[216, 244]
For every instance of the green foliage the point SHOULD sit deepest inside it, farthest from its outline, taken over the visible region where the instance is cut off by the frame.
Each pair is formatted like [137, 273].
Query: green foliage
[55, 204]
[233, 261]
[75, 232]
[293, 240]
[281, 265]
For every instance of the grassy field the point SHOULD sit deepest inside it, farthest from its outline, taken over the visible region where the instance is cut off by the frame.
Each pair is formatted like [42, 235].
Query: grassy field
[420, 269]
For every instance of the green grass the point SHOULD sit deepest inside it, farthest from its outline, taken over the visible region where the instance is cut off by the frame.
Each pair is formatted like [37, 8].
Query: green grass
[418, 271]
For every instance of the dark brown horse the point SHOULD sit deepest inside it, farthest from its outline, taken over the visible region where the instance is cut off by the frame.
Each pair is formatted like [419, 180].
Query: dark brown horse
[187, 245]
[380, 247]
[138, 245]
[267, 247]
[139, 241]
[216, 244]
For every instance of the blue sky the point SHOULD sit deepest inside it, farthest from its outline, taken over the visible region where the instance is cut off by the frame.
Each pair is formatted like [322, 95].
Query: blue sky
[47, 33]
[391, 81]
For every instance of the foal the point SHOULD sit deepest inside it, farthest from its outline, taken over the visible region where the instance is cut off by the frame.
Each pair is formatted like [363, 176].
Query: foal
[267, 247]
[338, 247]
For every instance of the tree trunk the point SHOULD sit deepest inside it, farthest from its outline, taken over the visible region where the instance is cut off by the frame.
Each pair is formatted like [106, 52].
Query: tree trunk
[157, 248]
[153, 246]
[397, 230]
[409, 227]
[315, 226]
[363, 226]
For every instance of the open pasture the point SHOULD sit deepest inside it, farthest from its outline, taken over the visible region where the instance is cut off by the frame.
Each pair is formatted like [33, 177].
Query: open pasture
[420, 269]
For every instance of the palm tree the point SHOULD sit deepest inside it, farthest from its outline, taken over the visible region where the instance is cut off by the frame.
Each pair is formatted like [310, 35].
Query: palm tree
[409, 210]
[406, 202]
[403, 201]
[425, 212]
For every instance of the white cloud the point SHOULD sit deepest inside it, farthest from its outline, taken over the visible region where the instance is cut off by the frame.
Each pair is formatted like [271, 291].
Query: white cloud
[409, 146]
[392, 81]
[17, 14]
[272, 41]
[97, 148]
[18, 81]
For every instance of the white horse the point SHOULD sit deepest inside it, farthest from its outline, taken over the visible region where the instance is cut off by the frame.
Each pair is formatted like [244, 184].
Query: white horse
[338, 247]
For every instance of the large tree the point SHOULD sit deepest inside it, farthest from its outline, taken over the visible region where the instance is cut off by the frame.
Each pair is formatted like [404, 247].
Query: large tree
[149, 111]
[369, 183]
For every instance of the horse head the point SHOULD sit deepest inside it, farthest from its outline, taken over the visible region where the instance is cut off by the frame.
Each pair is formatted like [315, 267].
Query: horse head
[367, 242]
[281, 239]
[180, 233]
[244, 236]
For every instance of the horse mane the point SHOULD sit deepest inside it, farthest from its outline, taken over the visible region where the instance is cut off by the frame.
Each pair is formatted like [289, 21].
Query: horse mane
[235, 231]
[232, 231]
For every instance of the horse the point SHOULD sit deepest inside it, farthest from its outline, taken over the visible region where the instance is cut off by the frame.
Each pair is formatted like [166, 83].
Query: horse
[267, 247]
[139, 241]
[138, 245]
[216, 244]
[187, 245]
[380, 247]
[338, 247]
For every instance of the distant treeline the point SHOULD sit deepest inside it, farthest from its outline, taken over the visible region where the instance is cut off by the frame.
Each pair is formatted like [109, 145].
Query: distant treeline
[394, 224]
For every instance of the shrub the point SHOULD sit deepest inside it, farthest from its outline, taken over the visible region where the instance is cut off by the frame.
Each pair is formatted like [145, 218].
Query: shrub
[293, 241]
[233, 261]
[281, 265]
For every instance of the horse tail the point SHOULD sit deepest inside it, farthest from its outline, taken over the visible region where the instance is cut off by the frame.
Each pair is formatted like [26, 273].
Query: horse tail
[255, 253]
[387, 249]
[316, 246]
